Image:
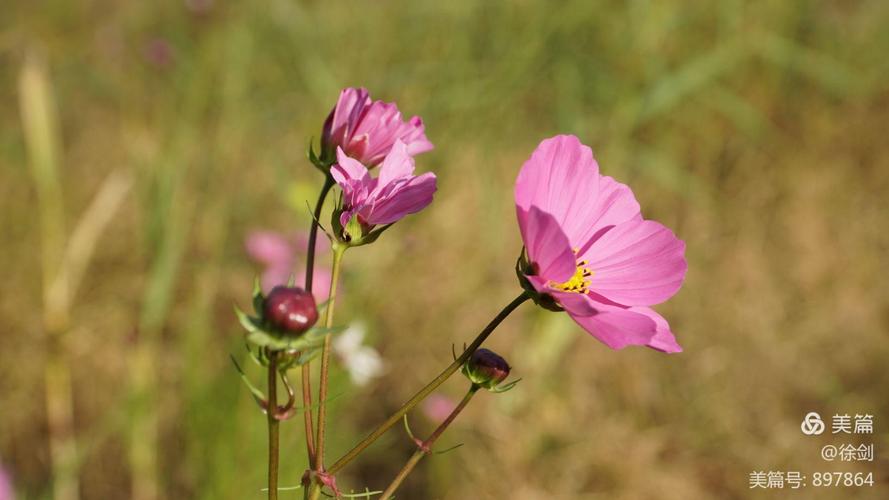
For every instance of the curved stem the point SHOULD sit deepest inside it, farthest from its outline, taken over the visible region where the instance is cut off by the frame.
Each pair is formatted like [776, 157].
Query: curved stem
[431, 386]
[338, 251]
[425, 447]
[313, 231]
[273, 425]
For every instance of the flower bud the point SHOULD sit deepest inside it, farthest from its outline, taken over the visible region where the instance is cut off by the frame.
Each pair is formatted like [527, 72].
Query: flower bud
[486, 368]
[291, 310]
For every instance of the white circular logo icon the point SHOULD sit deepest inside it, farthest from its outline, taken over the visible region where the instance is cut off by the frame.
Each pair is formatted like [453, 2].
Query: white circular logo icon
[812, 424]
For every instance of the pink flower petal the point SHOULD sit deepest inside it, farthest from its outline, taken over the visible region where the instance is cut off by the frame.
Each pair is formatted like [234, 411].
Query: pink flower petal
[408, 197]
[548, 248]
[637, 263]
[320, 283]
[348, 170]
[618, 328]
[277, 275]
[348, 110]
[577, 304]
[353, 178]
[322, 244]
[277, 254]
[615, 204]
[663, 340]
[412, 133]
[562, 179]
[397, 164]
[269, 248]
[380, 125]
[367, 129]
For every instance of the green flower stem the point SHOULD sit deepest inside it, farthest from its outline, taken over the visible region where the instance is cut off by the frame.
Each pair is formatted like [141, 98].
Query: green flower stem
[307, 412]
[431, 386]
[338, 251]
[310, 272]
[273, 425]
[425, 447]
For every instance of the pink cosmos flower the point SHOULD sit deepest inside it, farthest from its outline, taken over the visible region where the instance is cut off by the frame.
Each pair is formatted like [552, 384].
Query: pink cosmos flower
[366, 130]
[590, 251]
[6, 492]
[437, 407]
[384, 199]
[279, 254]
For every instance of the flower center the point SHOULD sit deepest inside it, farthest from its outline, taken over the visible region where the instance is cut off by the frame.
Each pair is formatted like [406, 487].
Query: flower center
[577, 283]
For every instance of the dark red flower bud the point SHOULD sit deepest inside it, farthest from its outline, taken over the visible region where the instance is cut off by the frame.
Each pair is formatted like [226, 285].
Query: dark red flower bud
[486, 368]
[291, 310]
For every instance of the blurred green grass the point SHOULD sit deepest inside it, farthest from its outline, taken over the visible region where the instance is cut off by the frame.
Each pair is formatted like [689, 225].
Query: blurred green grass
[755, 129]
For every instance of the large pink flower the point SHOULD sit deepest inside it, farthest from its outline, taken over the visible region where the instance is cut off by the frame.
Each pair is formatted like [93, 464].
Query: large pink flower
[589, 249]
[367, 129]
[384, 199]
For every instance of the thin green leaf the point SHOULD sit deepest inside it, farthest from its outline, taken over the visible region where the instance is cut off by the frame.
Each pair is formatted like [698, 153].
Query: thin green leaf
[284, 488]
[407, 428]
[258, 357]
[308, 355]
[452, 448]
[257, 394]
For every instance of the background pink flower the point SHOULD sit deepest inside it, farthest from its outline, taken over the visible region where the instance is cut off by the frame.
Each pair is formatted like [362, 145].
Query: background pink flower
[367, 129]
[589, 248]
[282, 255]
[387, 198]
[6, 492]
[437, 407]
[159, 53]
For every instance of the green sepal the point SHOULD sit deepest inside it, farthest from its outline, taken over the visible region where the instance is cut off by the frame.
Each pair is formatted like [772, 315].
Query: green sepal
[308, 355]
[299, 358]
[249, 323]
[373, 235]
[258, 357]
[278, 342]
[482, 381]
[258, 298]
[523, 269]
[353, 235]
[504, 387]
[257, 394]
[317, 334]
[321, 165]
[335, 225]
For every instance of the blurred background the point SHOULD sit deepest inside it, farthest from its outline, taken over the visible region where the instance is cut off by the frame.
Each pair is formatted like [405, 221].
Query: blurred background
[141, 143]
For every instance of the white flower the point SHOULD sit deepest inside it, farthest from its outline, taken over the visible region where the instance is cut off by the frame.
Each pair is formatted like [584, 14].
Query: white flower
[362, 362]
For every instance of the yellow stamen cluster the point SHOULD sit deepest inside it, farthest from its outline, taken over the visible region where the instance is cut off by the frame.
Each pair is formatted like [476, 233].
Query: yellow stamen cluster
[577, 283]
